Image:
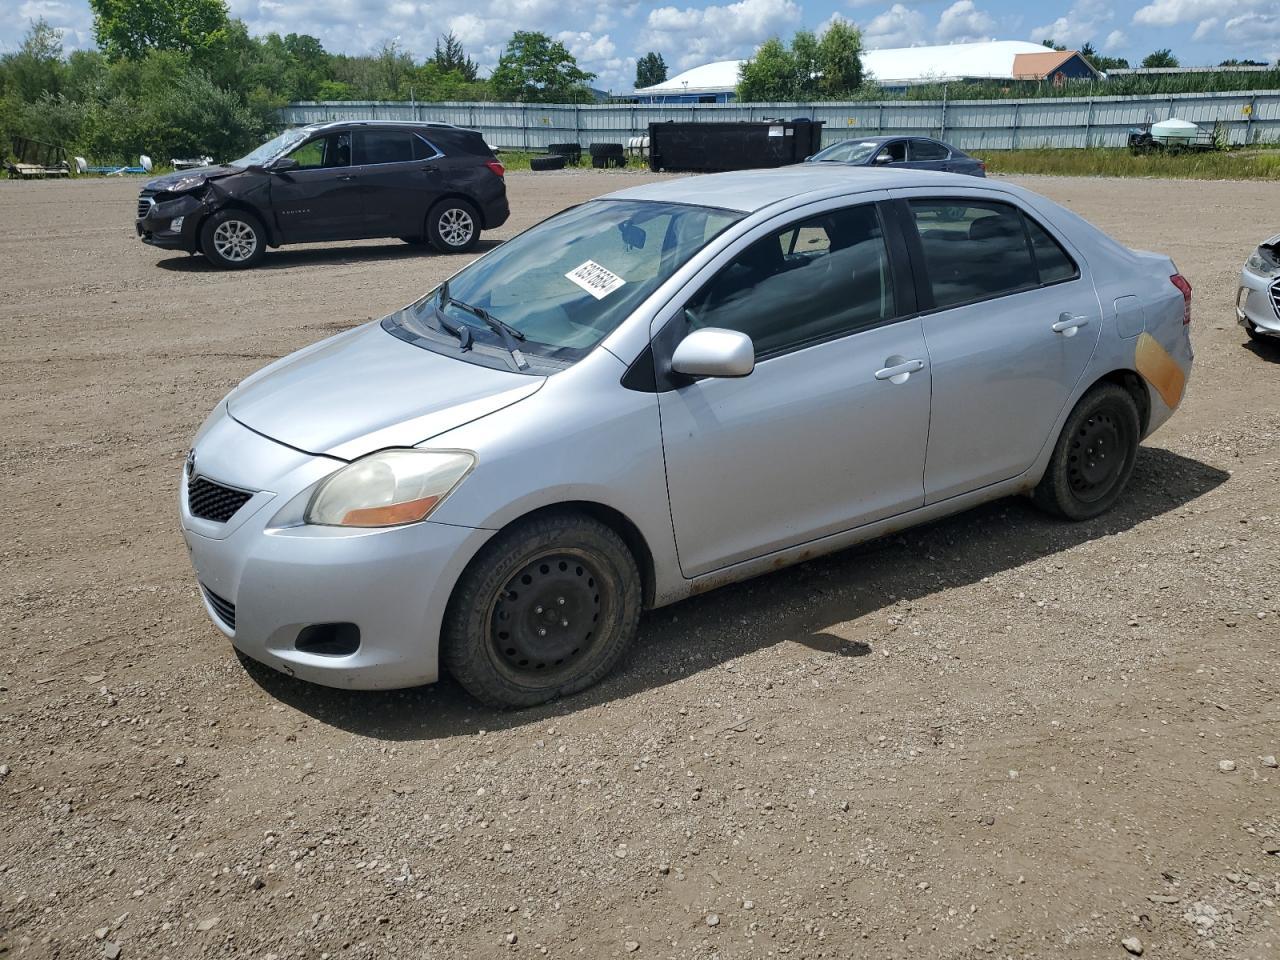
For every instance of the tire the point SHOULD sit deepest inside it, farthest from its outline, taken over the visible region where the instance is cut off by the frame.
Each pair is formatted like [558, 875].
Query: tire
[1094, 456]
[1253, 332]
[541, 579]
[233, 239]
[572, 152]
[553, 162]
[605, 150]
[414, 241]
[453, 226]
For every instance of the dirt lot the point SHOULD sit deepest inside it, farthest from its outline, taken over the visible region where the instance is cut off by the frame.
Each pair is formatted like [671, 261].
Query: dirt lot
[996, 736]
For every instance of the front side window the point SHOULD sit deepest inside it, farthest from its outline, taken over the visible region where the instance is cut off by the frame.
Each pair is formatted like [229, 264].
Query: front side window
[895, 152]
[331, 151]
[976, 250]
[824, 277]
[847, 151]
[571, 280]
[383, 146]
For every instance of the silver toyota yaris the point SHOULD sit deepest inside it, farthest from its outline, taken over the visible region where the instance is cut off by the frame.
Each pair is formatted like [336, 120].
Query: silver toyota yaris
[660, 391]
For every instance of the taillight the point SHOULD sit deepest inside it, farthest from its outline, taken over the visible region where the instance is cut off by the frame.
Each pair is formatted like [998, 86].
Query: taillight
[982, 165]
[1179, 281]
[498, 169]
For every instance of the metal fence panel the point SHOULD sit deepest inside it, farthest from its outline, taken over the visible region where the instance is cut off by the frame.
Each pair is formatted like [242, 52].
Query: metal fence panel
[1242, 116]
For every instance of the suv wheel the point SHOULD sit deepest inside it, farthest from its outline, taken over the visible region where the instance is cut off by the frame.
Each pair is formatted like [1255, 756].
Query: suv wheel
[233, 239]
[546, 609]
[453, 226]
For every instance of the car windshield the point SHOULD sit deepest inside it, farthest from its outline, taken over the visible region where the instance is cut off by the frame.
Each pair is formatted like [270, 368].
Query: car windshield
[272, 148]
[847, 151]
[568, 282]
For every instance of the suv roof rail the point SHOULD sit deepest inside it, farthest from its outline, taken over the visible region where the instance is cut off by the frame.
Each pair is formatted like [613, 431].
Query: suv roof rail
[382, 123]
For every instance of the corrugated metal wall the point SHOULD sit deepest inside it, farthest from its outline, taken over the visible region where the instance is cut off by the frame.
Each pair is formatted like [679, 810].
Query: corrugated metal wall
[1245, 117]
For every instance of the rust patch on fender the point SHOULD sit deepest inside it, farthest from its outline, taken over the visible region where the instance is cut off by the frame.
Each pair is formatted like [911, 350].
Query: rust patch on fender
[1159, 369]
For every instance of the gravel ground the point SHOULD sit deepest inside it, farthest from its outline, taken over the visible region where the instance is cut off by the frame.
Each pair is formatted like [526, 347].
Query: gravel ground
[999, 735]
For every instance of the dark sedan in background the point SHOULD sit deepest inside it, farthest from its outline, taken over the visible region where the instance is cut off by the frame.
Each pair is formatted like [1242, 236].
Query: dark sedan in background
[917, 153]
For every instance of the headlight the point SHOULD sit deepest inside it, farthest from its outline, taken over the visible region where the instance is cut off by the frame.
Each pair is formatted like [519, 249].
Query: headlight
[389, 488]
[1255, 264]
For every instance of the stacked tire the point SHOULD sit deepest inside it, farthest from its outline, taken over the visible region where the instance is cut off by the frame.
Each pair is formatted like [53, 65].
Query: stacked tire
[607, 155]
[553, 161]
[572, 152]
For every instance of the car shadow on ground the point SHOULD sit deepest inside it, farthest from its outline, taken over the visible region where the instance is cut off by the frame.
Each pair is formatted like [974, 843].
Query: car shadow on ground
[1264, 349]
[310, 256]
[799, 604]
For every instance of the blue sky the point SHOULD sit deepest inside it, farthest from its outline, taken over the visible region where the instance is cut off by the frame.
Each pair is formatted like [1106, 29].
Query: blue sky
[608, 35]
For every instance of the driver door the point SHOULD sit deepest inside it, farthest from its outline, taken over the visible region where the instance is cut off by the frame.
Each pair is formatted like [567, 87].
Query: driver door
[820, 437]
[319, 199]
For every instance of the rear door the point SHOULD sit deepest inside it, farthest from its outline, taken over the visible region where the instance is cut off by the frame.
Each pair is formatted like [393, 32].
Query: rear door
[399, 179]
[828, 432]
[1011, 320]
[319, 199]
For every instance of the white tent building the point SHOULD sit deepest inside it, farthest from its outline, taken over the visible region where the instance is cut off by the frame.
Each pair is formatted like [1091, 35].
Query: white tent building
[896, 67]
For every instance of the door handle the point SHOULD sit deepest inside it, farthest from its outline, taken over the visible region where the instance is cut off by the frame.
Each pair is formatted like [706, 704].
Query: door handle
[1067, 325]
[898, 372]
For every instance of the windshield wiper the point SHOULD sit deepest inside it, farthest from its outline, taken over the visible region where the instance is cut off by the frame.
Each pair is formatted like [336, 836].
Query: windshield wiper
[509, 334]
[463, 333]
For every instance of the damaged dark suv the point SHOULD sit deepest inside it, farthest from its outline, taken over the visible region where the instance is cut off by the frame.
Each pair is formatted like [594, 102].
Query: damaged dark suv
[422, 182]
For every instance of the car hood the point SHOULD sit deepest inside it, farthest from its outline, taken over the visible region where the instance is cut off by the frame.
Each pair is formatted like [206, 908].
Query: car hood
[189, 179]
[366, 390]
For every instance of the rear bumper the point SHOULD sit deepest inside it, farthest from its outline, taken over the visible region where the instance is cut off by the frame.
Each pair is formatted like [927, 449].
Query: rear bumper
[1255, 304]
[495, 212]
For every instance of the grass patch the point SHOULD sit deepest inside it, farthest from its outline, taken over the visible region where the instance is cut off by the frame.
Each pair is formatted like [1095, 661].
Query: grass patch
[1245, 164]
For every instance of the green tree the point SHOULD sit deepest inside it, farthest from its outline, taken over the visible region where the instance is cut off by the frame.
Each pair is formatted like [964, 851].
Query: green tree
[829, 68]
[36, 67]
[535, 68]
[840, 61]
[1052, 44]
[1101, 61]
[127, 29]
[1160, 58]
[651, 69]
[451, 58]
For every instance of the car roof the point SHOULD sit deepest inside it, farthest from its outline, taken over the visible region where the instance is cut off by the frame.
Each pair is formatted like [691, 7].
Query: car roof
[752, 190]
[407, 124]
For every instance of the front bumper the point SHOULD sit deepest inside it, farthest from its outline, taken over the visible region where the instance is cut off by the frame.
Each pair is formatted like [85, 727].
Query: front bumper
[263, 585]
[156, 228]
[1258, 302]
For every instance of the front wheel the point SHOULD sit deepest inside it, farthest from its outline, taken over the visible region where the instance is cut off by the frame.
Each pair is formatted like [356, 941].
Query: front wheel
[1094, 456]
[233, 239]
[546, 609]
[453, 226]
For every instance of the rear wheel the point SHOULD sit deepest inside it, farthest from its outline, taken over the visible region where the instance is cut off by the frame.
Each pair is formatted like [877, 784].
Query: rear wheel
[453, 226]
[546, 609]
[1094, 456]
[233, 239]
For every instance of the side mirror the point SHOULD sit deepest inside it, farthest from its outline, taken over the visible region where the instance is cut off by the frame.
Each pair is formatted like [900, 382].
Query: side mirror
[882, 158]
[282, 164]
[714, 352]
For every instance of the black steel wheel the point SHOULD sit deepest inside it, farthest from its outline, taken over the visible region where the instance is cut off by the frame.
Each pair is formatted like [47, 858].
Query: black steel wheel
[1094, 455]
[545, 609]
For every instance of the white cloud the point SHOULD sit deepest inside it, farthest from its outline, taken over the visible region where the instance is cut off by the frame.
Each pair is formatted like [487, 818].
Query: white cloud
[962, 22]
[1167, 13]
[1257, 33]
[897, 27]
[73, 20]
[692, 36]
[1204, 28]
[1115, 40]
[1078, 26]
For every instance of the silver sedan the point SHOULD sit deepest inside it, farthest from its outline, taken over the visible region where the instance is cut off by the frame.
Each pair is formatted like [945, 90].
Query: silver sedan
[670, 388]
[1258, 297]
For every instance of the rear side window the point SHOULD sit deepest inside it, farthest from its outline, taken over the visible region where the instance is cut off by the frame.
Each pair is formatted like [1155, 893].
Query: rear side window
[423, 150]
[928, 150]
[383, 146]
[976, 250]
[815, 280]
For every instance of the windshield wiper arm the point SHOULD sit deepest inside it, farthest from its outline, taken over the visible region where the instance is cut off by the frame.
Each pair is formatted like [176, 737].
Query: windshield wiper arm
[509, 334]
[463, 333]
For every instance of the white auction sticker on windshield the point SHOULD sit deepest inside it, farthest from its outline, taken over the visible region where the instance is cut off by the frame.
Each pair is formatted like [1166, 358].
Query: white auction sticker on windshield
[595, 279]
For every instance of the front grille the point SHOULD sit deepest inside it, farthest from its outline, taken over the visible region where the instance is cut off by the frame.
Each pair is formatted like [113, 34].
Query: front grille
[225, 609]
[212, 501]
[145, 202]
[1274, 290]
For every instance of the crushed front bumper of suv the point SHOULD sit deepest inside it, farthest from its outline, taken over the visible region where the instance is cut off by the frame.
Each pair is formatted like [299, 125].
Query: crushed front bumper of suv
[170, 224]
[355, 608]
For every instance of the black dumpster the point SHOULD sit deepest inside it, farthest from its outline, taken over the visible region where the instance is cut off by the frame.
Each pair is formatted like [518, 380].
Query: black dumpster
[742, 145]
